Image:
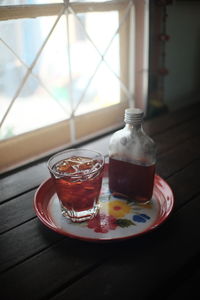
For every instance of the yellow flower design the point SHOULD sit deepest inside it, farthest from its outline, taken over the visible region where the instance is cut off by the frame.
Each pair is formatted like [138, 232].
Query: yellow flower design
[116, 208]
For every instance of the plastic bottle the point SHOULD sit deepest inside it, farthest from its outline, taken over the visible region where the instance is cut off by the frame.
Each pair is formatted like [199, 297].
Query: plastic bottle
[132, 159]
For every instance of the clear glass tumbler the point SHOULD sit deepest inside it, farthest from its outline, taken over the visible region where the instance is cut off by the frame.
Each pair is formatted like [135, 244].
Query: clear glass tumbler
[77, 176]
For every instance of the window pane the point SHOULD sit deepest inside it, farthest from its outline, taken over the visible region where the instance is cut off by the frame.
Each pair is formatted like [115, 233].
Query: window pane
[19, 2]
[103, 91]
[100, 26]
[57, 79]
[25, 36]
[93, 82]
[11, 74]
[52, 66]
[69, 75]
[25, 2]
[34, 108]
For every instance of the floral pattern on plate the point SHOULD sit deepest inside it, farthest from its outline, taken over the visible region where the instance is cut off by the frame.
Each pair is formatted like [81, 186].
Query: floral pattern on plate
[116, 213]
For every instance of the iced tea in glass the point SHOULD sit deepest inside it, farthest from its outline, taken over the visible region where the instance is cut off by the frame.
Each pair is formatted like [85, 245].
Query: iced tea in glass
[77, 176]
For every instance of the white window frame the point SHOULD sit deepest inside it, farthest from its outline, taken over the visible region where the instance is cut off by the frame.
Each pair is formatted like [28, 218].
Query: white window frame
[35, 144]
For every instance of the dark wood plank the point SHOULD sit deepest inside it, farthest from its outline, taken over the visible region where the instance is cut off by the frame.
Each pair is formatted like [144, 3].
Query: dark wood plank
[178, 157]
[22, 181]
[141, 266]
[177, 135]
[30, 245]
[183, 183]
[170, 120]
[189, 287]
[39, 277]
[37, 263]
[23, 242]
[78, 267]
[183, 284]
[16, 211]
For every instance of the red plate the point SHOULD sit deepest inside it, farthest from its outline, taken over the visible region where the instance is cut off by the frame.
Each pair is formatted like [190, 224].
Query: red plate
[118, 219]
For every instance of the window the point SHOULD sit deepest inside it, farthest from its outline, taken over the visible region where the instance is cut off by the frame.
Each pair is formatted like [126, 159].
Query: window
[68, 71]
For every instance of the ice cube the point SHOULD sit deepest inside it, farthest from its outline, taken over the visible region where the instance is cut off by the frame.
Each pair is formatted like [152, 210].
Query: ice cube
[65, 167]
[81, 163]
[76, 164]
[96, 166]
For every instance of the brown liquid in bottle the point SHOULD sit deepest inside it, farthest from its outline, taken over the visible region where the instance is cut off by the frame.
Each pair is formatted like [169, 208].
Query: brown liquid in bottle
[131, 180]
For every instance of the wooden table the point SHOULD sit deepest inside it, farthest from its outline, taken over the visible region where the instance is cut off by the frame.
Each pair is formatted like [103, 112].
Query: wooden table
[37, 263]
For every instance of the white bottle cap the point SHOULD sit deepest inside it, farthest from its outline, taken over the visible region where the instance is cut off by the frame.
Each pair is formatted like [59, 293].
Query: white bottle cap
[133, 115]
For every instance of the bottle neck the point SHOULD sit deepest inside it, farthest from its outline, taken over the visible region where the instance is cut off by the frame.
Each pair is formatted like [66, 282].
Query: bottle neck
[133, 118]
[133, 126]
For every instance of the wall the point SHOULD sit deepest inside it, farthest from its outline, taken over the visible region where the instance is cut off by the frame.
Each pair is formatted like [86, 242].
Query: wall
[182, 84]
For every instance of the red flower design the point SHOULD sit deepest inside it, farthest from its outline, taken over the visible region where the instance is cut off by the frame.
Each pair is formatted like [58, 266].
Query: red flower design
[102, 223]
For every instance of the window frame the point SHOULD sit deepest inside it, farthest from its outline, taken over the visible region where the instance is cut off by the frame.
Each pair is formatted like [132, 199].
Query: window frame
[40, 142]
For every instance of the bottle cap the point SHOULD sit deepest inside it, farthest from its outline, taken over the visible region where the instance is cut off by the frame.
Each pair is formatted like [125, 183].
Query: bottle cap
[133, 115]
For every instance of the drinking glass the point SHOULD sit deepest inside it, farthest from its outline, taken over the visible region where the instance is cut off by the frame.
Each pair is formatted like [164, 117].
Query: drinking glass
[77, 176]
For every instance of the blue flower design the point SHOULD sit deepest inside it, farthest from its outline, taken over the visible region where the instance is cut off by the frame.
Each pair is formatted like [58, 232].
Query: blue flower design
[141, 218]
